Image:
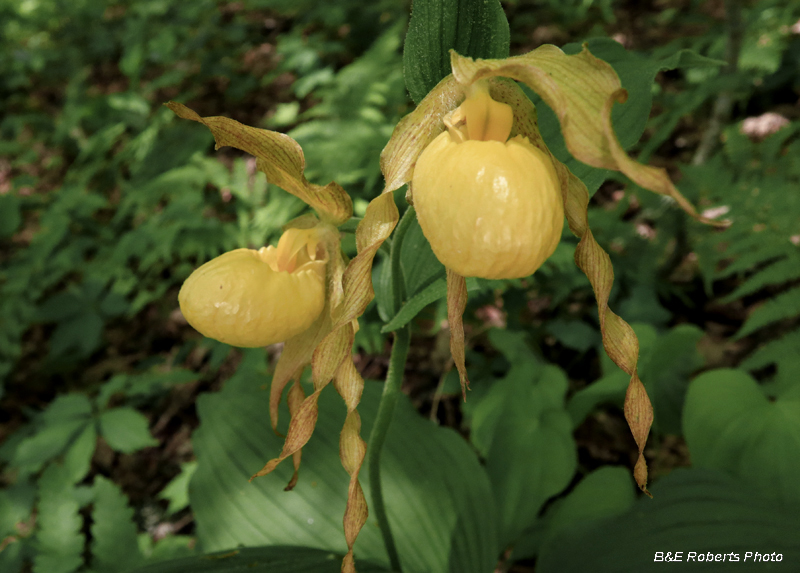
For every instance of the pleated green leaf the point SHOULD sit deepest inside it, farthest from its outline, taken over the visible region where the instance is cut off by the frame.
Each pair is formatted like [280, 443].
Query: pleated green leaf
[478, 29]
[437, 495]
[259, 560]
[605, 492]
[730, 425]
[525, 433]
[697, 511]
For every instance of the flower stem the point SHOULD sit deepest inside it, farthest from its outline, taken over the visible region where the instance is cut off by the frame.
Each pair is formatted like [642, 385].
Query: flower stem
[398, 280]
[391, 392]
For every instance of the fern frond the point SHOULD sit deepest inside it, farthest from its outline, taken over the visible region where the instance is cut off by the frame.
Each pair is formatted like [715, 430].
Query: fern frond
[777, 273]
[784, 305]
[776, 351]
[752, 251]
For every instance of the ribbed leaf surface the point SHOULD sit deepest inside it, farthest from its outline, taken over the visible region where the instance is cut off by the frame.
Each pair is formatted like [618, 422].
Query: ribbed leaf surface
[438, 498]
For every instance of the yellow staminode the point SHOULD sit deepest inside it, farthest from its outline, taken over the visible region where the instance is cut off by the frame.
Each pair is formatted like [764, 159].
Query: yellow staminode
[252, 298]
[490, 207]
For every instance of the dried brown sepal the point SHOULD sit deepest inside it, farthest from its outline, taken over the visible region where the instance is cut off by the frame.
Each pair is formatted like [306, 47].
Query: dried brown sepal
[352, 449]
[416, 131]
[619, 340]
[281, 158]
[456, 303]
[582, 90]
[295, 398]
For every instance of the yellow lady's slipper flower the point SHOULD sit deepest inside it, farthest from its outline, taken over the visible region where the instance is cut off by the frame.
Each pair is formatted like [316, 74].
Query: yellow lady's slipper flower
[304, 292]
[487, 215]
[490, 206]
[252, 298]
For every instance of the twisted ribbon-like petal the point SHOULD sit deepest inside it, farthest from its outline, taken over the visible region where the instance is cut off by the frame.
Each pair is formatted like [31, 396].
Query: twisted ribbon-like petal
[281, 158]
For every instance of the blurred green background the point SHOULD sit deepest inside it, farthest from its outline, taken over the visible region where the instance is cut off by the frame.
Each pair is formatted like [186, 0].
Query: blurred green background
[108, 202]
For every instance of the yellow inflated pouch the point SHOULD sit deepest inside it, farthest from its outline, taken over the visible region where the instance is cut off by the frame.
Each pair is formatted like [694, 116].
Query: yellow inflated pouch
[490, 207]
[252, 298]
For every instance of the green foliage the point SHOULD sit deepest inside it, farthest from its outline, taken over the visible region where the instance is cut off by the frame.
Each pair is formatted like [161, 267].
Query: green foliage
[59, 540]
[603, 493]
[756, 183]
[343, 134]
[521, 428]
[125, 430]
[260, 560]
[107, 203]
[114, 545]
[60, 443]
[474, 29]
[177, 491]
[636, 73]
[691, 510]
[441, 522]
[744, 433]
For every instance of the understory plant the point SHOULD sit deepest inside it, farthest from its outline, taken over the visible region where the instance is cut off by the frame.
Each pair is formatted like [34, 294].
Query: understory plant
[490, 197]
[452, 238]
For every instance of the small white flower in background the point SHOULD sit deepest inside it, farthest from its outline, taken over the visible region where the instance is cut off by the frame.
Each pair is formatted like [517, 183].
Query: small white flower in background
[761, 126]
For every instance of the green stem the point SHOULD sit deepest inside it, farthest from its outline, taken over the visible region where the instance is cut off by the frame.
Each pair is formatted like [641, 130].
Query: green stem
[391, 392]
[398, 280]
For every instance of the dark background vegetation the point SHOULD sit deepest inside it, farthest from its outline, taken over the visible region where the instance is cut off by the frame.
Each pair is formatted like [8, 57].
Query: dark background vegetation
[108, 202]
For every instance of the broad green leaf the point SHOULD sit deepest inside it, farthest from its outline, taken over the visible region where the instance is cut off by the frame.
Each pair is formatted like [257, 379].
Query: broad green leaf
[574, 334]
[114, 545]
[177, 491]
[420, 266]
[47, 443]
[666, 371]
[126, 430]
[730, 425]
[78, 457]
[609, 389]
[696, 511]
[59, 539]
[525, 434]
[478, 29]
[260, 560]
[430, 294]
[441, 521]
[605, 492]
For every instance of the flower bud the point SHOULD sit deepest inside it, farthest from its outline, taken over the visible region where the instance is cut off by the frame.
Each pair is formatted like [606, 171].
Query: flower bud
[490, 207]
[252, 298]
